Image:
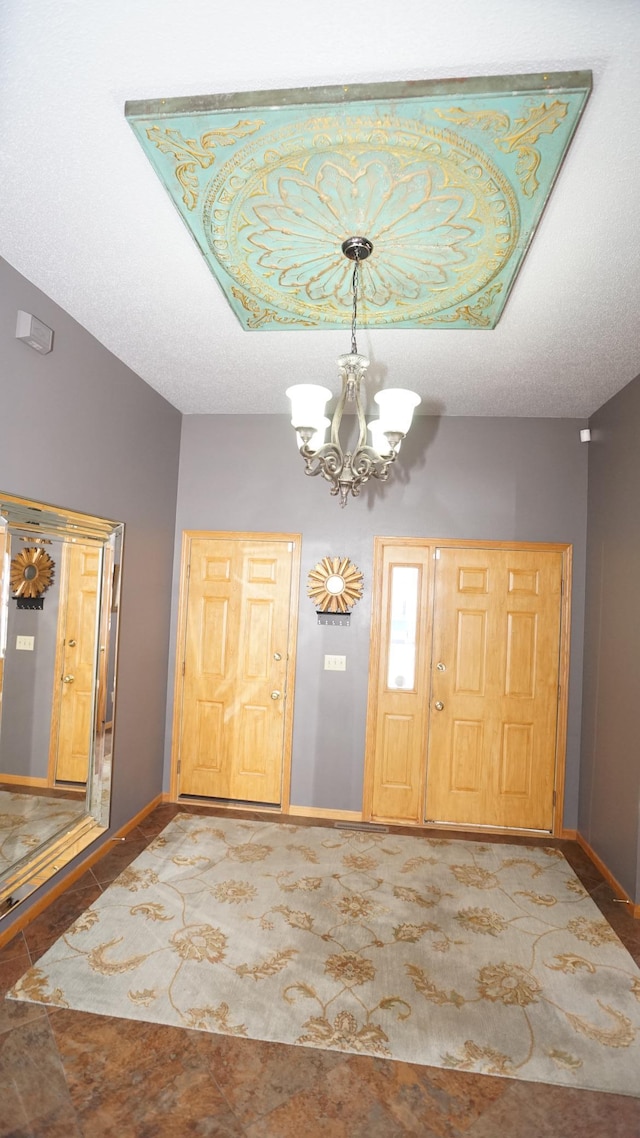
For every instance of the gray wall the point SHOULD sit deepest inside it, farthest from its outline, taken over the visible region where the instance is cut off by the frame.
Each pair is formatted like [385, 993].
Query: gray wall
[494, 479]
[81, 430]
[27, 684]
[610, 784]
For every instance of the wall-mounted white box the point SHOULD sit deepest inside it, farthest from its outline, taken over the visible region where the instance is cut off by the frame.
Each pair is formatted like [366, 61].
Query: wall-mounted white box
[25, 643]
[34, 333]
[335, 663]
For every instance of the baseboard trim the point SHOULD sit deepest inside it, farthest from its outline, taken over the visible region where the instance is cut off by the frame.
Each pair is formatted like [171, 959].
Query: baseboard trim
[23, 780]
[569, 835]
[43, 903]
[327, 815]
[620, 893]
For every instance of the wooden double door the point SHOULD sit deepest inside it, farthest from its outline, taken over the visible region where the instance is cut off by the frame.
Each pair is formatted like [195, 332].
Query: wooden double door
[467, 694]
[235, 667]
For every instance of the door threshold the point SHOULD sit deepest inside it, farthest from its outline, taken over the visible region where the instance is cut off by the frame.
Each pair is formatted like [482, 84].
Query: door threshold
[486, 828]
[227, 803]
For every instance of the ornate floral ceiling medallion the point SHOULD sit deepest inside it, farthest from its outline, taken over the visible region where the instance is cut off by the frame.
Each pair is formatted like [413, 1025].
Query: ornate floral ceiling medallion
[447, 180]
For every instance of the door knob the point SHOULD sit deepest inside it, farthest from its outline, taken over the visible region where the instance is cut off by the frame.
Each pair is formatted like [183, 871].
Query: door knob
[72, 643]
[441, 667]
[275, 694]
[68, 679]
[439, 705]
[277, 656]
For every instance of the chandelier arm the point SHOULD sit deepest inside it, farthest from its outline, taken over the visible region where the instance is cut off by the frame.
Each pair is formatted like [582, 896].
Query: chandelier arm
[337, 414]
[328, 461]
[362, 422]
[368, 463]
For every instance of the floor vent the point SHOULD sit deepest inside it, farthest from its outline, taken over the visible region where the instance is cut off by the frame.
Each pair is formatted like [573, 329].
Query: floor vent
[366, 826]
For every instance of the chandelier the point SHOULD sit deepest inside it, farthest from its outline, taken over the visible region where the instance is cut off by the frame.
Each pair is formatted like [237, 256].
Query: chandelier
[347, 471]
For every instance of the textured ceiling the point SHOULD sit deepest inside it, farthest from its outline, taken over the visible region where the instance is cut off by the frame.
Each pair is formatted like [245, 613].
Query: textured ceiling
[84, 216]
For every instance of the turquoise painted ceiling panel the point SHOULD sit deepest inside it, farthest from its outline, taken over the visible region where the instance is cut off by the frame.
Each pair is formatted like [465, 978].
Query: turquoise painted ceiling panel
[448, 180]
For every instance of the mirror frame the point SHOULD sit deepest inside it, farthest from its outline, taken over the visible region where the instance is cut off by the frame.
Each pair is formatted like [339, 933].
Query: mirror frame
[40, 519]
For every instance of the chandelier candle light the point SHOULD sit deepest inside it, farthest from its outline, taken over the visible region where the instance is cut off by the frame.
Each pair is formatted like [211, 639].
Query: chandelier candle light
[348, 471]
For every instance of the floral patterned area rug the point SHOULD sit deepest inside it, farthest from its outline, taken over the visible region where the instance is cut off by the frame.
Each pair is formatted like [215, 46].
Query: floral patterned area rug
[479, 957]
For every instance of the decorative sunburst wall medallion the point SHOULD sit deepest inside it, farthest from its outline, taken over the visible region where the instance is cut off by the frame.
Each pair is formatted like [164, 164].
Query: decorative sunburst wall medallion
[335, 585]
[31, 572]
[447, 180]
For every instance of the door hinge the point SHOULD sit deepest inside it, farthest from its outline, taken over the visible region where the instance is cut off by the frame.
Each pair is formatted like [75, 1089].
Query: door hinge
[561, 586]
[179, 766]
[188, 569]
[183, 667]
[559, 690]
[555, 796]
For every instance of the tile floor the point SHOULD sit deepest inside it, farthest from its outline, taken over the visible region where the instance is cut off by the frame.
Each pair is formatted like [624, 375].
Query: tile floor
[70, 1074]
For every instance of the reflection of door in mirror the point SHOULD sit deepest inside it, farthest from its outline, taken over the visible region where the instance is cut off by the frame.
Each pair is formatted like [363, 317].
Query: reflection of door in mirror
[29, 653]
[55, 737]
[71, 720]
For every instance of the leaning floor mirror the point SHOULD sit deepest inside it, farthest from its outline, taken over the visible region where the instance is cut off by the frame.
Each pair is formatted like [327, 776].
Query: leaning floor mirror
[59, 600]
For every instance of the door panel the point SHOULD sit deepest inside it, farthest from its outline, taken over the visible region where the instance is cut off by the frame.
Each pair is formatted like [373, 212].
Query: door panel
[237, 663]
[471, 652]
[496, 632]
[466, 750]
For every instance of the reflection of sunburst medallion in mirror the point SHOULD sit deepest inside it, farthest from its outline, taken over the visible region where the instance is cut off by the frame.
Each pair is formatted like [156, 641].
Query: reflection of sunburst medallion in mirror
[335, 585]
[31, 572]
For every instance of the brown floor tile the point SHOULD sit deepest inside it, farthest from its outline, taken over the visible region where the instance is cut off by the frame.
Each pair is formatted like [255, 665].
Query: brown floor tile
[369, 1097]
[318, 1115]
[256, 1077]
[123, 853]
[535, 1110]
[87, 881]
[429, 1100]
[14, 962]
[139, 1080]
[157, 820]
[33, 1091]
[13, 955]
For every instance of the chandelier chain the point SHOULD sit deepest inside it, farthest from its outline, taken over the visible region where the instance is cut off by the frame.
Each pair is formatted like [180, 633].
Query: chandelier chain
[354, 315]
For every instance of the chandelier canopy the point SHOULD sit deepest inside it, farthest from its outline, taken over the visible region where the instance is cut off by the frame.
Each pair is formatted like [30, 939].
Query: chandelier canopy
[348, 470]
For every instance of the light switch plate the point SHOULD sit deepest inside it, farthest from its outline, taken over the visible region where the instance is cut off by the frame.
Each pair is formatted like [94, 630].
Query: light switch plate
[25, 643]
[335, 663]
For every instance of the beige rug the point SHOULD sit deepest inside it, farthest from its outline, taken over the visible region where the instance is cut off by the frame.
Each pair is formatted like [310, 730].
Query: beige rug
[479, 957]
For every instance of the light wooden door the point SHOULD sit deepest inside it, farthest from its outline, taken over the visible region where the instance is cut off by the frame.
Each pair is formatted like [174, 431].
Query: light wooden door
[238, 627]
[73, 704]
[494, 687]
